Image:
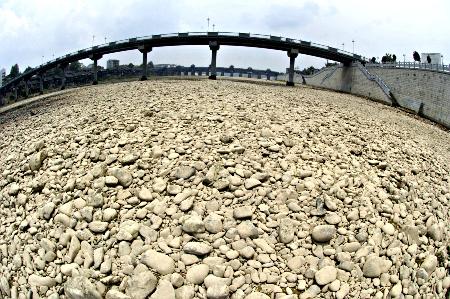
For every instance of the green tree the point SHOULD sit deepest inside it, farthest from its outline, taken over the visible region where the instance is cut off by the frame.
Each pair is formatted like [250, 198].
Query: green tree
[151, 65]
[308, 71]
[388, 58]
[130, 65]
[416, 56]
[29, 68]
[75, 66]
[14, 71]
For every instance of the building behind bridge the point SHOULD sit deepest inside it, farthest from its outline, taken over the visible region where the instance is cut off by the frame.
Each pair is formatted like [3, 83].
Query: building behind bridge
[112, 64]
[436, 58]
[2, 76]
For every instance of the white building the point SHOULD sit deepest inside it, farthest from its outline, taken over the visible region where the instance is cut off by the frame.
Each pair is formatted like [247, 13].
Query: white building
[2, 76]
[112, 64]
[436, 58]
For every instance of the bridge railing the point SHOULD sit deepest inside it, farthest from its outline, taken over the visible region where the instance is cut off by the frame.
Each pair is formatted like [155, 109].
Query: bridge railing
[413, 65]
[209, 33]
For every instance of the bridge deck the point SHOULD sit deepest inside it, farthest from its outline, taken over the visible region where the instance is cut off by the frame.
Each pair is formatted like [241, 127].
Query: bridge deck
[195, 38]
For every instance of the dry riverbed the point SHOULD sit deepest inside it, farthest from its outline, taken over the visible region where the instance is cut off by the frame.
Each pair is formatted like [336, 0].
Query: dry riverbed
[199, 189]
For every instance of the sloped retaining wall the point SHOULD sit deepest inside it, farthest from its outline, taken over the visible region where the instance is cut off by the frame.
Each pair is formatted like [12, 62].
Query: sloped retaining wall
[425, 92]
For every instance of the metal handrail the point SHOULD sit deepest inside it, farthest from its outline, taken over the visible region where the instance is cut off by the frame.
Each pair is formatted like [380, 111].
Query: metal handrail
[413, 65]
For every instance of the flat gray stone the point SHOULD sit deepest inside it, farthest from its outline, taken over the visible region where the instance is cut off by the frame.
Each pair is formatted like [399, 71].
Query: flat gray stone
[323, 233]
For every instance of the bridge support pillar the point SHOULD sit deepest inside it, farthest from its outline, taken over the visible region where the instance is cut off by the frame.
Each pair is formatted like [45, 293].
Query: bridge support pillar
[63, 80]
[2, 98]
[144, 49]
[41, 83]
[292, 54]
[27, 90]
[95, 58]
[214, 46]
[14, 93]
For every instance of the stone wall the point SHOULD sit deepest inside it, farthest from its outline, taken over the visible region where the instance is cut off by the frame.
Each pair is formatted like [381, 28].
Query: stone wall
[348, 79]
[425, 92]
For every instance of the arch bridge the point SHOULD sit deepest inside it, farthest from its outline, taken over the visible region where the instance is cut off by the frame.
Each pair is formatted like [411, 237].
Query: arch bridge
[214, 40]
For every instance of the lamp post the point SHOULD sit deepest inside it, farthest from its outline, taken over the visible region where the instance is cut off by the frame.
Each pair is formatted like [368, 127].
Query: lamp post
[353, 42]
[105, 39]
[208, 23]
[343, 46]
[214, 25]
[93, 38]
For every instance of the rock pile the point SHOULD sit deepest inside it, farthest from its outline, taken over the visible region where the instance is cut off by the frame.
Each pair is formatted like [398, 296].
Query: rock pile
[179, 189]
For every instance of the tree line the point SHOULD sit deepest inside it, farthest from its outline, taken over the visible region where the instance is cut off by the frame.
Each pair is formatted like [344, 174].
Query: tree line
[392, 58]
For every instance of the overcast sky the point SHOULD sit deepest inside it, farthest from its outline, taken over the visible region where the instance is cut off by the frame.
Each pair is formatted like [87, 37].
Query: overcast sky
[36, 30]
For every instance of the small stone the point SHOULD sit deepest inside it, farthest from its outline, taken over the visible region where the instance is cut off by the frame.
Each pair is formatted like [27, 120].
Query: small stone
[213, 223]
[128, 159]
[265, 132]
[257, 295]
[141, 284]
[388, 229]
[41, 281]
[430, 263]
[184, 172]
[323, 233]
[164, 290]
[79, 287]
[251, 183]
[311, 292]
[47, 210]
[174, 189]
[325, 275]
[185, 292]
[109, 214]
[14, 189]
[115, 294]
[295, 263]
[435, 232]
[36, 160]
[286, 230]
[145, 194]
[332, 218]
[243, 212]
[375, 266]
[217, 291]
[396, 291]
[197, 274]
[343, 291]
[263, 245]
[74, 247]
[247, 252]
[335, 285]
[124, 177]
[128, 230]
[111, 180]
[194, 224]
[159, 185]
[197, 248]
[98, 226]
[247, 229]
[160, 262]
